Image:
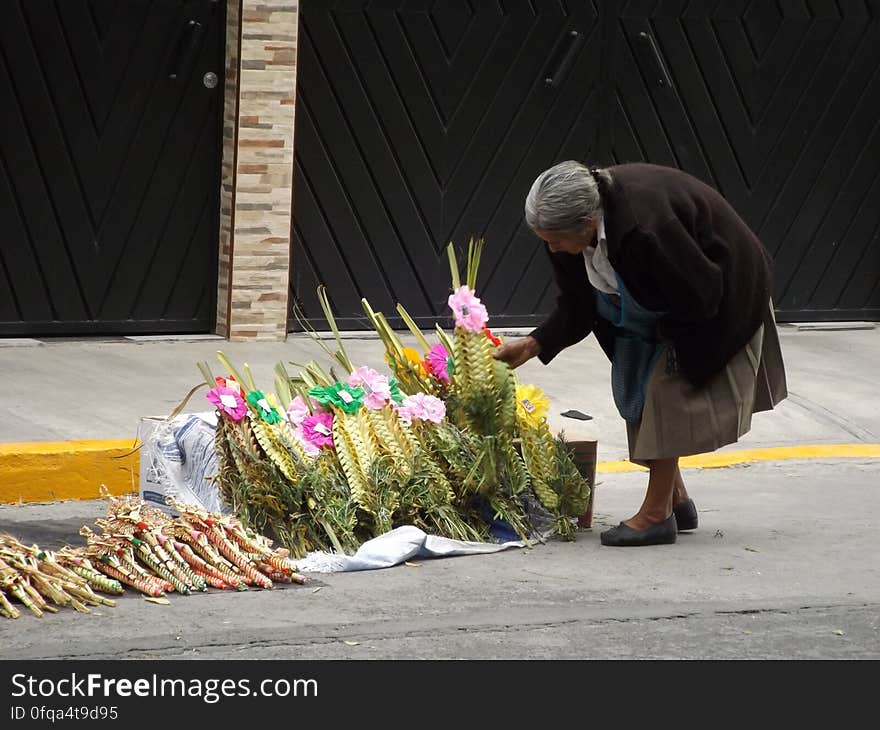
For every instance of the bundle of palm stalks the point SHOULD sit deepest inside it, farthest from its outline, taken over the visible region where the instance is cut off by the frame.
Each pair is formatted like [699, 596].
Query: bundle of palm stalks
[333, 471]
[154, 553]
[42, 580]
[144, 548]
[513, 452]
[449, 443]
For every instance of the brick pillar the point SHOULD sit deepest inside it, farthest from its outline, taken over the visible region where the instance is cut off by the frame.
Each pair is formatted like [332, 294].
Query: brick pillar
[257, 173]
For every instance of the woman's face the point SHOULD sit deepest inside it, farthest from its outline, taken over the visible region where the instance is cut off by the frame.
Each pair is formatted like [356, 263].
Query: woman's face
[575, 242]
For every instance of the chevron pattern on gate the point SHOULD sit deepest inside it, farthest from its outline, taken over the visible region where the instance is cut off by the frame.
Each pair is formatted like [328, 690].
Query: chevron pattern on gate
[424, 122]
[420, 123]
[108, 168]
[777, 104]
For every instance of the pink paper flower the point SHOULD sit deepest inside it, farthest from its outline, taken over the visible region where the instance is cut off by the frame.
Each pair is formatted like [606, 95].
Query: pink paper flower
[439, 362]
[310, 448]
[228, 401]
[469, 312]
[318, 429]
[298, 410]
[375, 385]
[421, 407]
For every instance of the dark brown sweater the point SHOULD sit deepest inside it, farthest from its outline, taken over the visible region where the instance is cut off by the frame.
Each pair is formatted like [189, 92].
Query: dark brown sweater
[679, 248]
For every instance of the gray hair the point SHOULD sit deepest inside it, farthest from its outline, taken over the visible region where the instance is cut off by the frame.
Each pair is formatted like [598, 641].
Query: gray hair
[564, 197]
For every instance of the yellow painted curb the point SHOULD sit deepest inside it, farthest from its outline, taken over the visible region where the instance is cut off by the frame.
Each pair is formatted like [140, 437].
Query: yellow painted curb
[54, 470]
[717, 460]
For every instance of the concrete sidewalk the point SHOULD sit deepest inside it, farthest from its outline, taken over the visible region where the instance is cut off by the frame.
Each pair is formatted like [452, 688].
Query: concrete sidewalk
[81, 400]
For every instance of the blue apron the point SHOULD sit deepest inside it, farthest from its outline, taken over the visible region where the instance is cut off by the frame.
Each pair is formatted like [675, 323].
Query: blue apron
[636, 349]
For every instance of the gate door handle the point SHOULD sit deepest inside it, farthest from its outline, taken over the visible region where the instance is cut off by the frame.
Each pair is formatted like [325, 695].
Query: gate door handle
[576, 40]
[186, 45]
[648, 39]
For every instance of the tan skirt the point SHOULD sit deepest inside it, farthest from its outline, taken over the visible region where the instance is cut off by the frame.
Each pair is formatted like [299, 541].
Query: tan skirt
[679, 418]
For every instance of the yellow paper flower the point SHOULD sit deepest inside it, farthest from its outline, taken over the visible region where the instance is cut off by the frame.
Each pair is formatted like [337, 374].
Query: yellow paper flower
[415, 359]
[531, 406]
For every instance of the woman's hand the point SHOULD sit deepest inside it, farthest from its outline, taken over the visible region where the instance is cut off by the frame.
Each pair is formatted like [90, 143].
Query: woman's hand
[519, 351]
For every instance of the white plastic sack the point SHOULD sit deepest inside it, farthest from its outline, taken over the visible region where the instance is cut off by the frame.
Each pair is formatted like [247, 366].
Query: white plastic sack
[178, 460]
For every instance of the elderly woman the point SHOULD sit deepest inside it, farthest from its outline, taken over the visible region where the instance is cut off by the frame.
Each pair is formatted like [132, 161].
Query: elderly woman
[676, 288]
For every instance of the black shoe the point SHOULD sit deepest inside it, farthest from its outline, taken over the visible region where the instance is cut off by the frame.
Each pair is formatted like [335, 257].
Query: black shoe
[686, 515]
[625, 536]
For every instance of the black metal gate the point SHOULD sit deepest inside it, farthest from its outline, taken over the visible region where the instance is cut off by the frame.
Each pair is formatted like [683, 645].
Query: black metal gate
[424, 122]
[776, 104]
[417, 126]
[110, 129]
